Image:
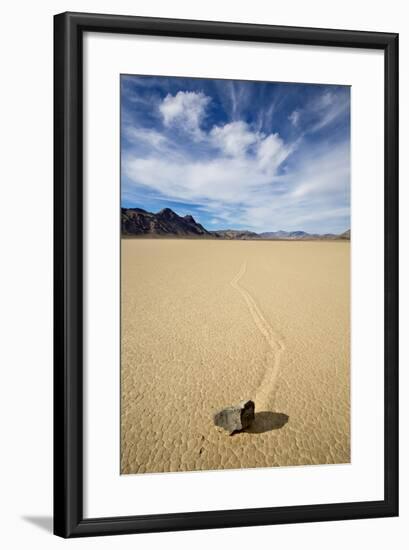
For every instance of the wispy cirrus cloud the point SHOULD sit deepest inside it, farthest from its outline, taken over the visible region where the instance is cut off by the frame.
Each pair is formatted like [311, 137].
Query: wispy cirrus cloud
[325, 109]
[294, 117]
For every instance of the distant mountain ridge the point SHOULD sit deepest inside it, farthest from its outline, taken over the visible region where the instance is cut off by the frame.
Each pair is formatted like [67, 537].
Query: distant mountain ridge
[297, 235]
[235, 234]
[137, 222]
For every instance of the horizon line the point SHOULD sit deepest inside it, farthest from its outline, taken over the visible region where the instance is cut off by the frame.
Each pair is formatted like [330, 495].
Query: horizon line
[231, 228]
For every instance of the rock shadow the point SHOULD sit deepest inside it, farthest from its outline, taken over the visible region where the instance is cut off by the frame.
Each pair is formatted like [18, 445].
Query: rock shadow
[266, 421]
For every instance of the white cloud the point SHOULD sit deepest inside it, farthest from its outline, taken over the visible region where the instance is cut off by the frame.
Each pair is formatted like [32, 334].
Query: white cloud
[294, 117]
[234, 100]
[185, 110]
[151, 137]
[272, 152]
[234, 138]
[221, 180]
[244, 163]
[325, 175]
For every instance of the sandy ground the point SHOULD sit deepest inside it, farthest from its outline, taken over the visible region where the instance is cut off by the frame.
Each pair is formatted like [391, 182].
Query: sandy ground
[208, 323]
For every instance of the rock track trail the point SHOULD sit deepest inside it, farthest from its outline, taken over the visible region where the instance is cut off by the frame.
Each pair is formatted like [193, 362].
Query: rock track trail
[265, 391]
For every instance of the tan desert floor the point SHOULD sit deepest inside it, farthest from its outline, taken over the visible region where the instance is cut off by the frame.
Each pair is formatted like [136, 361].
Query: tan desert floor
[208, 323]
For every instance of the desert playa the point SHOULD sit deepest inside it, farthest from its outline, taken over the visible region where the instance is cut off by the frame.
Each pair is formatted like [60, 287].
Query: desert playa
[208, 323]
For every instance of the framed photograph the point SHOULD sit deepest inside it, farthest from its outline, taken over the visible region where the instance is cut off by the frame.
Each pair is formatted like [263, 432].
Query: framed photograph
[226, 274]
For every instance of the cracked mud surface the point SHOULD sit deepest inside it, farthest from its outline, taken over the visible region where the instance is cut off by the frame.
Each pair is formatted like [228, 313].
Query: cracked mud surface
[208, 323]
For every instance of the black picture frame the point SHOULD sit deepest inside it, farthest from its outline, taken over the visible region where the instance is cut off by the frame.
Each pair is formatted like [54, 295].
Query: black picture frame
[68, 274]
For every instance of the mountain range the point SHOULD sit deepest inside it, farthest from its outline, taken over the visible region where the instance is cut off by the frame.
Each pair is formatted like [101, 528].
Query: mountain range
[137, 222]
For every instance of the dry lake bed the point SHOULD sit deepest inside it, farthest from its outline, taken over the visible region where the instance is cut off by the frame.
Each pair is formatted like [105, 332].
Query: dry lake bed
[207, 323]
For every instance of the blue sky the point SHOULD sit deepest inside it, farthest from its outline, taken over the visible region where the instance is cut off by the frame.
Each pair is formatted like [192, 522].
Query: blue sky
[262, 156]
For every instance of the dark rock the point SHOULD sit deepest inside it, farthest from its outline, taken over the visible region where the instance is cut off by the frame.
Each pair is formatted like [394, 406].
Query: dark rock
[236, 417]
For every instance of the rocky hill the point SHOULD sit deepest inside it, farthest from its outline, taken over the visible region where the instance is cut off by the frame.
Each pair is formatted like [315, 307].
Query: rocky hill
[138, 222]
